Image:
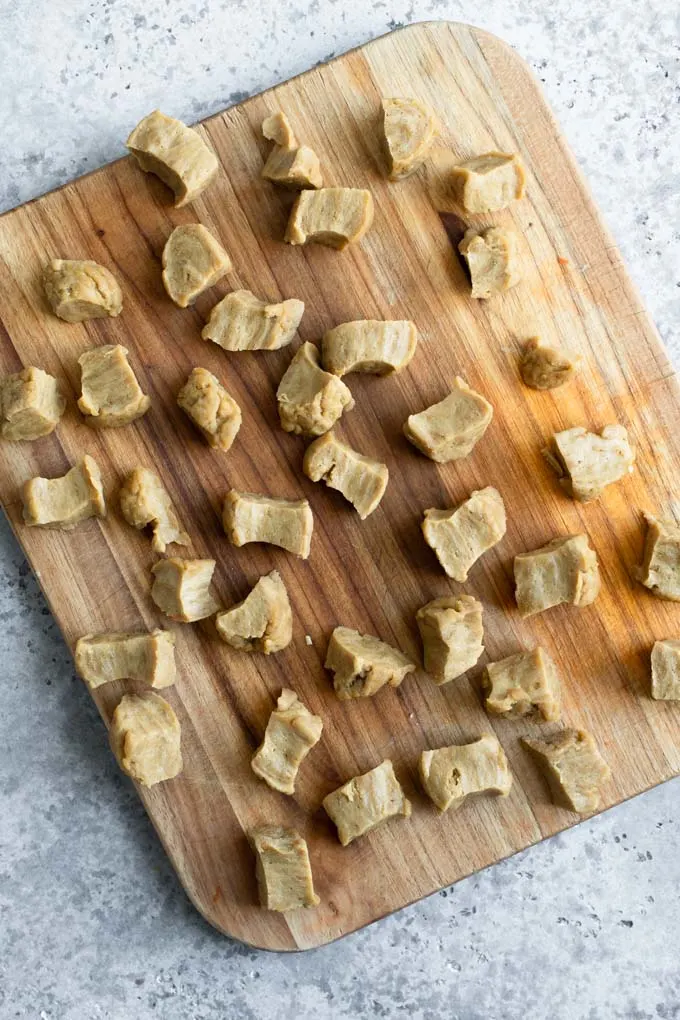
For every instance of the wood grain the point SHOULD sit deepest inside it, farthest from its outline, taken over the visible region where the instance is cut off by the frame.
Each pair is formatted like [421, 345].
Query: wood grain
[371, 575]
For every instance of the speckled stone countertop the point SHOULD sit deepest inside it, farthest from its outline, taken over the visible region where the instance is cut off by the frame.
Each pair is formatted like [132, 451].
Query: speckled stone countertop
[93, 923]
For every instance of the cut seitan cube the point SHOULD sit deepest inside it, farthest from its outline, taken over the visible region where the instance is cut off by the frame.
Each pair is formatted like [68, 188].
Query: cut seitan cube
[461, 535]
[450, 429]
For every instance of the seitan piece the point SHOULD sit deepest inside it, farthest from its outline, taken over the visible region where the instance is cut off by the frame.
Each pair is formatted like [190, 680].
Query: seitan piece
[289, 164]
[666, 670]
[452, 633]
[241, 322]
[361, 480]
[361, 664]
[660, 568]
[564, 570]
[262, 622]
[543, 367]
[587, 463]
[284, 874]
[193, 260]
[249, 517]
[574, 768]
[110, 394]
[310, 400]
[31, 404]
[292, 731]
[523, 683]
[489, 182]
[451, 774]
[461, 535]
[174, 152]
[450, 429]
[144, 502]
[145, 737]
[409, 129]
[369, 345]
[181, 589]
[365, 802]
[492, 258]
[335, 217]
[147, 658]
[212, 410]
[79, 289]
[66, 501]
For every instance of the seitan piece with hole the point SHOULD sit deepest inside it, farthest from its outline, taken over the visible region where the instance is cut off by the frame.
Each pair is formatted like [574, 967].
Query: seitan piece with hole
[564, 570]
[80, 289]
[335, 217]
[488, 183]
[175, 153]
[110, 394]
[450, 429]
[361, 664]
[365, 802]
[574, 768]
[144, 503]
[451, 774]
[587, 463]
[193, 260]
[262, 622]
[292, 732]
[452, 634]
[212, 410]
[371, 346]
[66, 501]
[181, 589]
[460, 536]
[145, 737]
[148, 658]
[310, 401]
[284, 874]
[361, 480]
[522, 684]
[242, 322]
[31, 405]
[249, 517]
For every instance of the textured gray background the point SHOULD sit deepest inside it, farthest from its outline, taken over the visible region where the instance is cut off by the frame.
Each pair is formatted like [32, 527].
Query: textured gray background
[93, 923]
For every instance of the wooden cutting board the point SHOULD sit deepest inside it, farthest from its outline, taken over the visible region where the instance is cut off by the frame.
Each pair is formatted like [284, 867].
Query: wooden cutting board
[371, 575]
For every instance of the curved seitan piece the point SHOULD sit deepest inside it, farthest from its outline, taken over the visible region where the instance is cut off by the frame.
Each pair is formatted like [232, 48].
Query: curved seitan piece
[262, 622]
[587, 463]
[31, 405]
[361, 480]
[452, 633]
[144, 501]
[110, 394]
[249, 517]
[543, 367]
[212, 410]
[523, 683]
[335, 217]
[145, 737]
[489, 182]
[310, 400]
[292, 731]
[666, 670]
[660, 568]
[460, 536]
[564, 570]
[181, 589]
[369, 345]
[361, 664]
[146, 657]
[193, 260]
[409, 129]
[365, 802]
[241, 322]
[573, 767]
[66, 501]
[80, 289]
[174, 152]
[450, 429]
[284, 874]
[451, 774]
[492, 258]
[290, 165]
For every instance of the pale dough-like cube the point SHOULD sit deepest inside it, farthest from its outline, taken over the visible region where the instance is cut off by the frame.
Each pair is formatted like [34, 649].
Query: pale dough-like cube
[587, 463]
[361, 664]
[193, 260]
[564, 570]
[361, 480]
[489, 182]
[284, 874]
[493, 260]
[262, 622]
[292, 731]
[543, 367]
[332, 216]
[174, 152]
[145, 737]
[450, 774]
[369, 345]
[66, 501]
[148, 658]
[289, 164]
[249, 517]
[365, 802]
[79, 289]
[144, 501]
[212, 410]
[31, 404]
[310, 400]
[574, 768]
[110, 394]
[450, 429]
[523, 683]
[460, 536]
[452, 633]
[666, 670]
[242, 322]
[181, 589]
[409, 130]
[660, 568]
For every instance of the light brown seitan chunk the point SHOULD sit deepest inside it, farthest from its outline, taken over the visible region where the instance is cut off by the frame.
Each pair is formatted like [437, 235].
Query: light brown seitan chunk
[543, 367]
[249, 517]
[212, 410]
[145, 737]
[564, 570]
[242, 322]
[310, 400]
[193, 260]
[660, 568]
[451, 774]
[31, 404]
[262, 622]
[574, 768]
[181, 589]
[284, 874]
[461, 535]
[587, 463]
[174, 152]
[523, 683]
[489, 182]
[450, 429]
[332, 216]
[369, 345]
[144, 502]
[666, 670]
[452, 633]
[79, 289]
[361, 480]
[409, 129]
[148, 658]
[492, 258]
[361, 664]
[292, 731]
[110, 394]
[289, 164]
[365, 802]
[66, 501]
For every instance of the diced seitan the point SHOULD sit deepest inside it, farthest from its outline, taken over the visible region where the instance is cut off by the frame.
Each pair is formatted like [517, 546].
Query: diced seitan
[335, 217]
[365, 802]
[289, 164]
[145, 737]
[284, 874]
[493, 261]
[146, 657]
[175, 153]
[372, 346]
[666, 670]
[249, 517]
[489, 182]
[31, 404]
[212, 410]
[361, 664]
[144, 502]
[564, 570]
[262, 622]
[361, 480]
[242, 322]
[461, 535]
[310, 401]
[292, 731]
[543, 367]
[409, 129]
[110, 394]
[586, 462]
[450, 429]
[80, 289]
[451, 774]
[523, 683]
[452, 633]
[573, 767]
[660, 568]
[193, 260]
[66, 501]
[181, 589]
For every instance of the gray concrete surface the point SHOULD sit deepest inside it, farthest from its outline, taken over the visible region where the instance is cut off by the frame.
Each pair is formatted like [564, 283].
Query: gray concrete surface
[93, 924]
